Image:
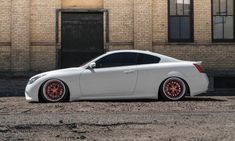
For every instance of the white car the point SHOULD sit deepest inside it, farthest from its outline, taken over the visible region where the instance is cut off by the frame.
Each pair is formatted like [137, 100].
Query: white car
[125, 74]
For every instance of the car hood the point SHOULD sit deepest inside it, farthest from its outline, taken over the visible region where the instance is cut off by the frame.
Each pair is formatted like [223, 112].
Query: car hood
[61, 72]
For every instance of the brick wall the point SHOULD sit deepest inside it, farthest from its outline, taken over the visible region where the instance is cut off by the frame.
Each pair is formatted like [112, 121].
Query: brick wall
[43, 58]
[214, 56]
[5, 58]
[160, 19]
[5, 35]
[43, 31]
[5, 20]
[143, 24]
[27, 27]
[121, 23]
[82, 3]
[202, 21]
[20, 35]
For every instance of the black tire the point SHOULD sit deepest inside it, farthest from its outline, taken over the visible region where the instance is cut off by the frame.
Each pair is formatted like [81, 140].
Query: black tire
[173, 89]
[53, 91]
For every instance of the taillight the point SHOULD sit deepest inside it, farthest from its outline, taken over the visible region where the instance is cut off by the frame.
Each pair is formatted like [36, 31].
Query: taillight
[199, 68]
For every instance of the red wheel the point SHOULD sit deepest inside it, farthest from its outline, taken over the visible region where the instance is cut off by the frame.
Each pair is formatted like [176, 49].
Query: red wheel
[173, 89]
[54, 91]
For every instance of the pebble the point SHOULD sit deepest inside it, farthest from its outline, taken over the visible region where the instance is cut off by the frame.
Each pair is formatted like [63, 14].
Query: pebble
[4, 129]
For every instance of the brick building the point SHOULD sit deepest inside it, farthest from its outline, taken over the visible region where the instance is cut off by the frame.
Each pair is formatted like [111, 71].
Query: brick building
[40, 35]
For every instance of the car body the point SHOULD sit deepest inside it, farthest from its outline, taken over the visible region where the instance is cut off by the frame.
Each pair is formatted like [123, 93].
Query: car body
[123, 74]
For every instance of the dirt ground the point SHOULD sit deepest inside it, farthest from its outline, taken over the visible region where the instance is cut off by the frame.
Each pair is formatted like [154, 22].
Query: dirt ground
[197, 119]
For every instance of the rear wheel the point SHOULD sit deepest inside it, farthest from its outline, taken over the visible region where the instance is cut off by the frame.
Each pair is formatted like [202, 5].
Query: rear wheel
[173, 89]
[54, 91]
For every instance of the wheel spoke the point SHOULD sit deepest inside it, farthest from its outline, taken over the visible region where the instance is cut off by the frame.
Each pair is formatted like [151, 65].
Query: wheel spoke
[174, 88]
[54, 90]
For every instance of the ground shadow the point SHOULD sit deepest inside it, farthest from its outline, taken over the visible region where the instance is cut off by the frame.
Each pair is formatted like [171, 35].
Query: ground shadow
[203, 99]
[152, 100]
[196, 98]
[219, 93]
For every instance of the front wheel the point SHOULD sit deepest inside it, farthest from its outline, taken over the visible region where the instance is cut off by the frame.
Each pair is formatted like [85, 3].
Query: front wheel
[54, 91]
[173, 89]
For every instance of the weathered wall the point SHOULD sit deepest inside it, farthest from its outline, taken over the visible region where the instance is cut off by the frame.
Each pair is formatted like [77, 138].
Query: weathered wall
[143, 24]
[5, 35]
[82, 3]
[20, 35]
[121, 23]
[214, 56]
[202, 21]
[27, 27]
[160, 21]
[43, 31]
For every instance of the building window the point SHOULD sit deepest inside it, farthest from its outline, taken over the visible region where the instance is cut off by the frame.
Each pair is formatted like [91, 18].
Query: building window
[223, 20]
[180, 16]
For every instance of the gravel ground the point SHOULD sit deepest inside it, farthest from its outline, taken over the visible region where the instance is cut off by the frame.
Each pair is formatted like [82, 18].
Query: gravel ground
[201, 118]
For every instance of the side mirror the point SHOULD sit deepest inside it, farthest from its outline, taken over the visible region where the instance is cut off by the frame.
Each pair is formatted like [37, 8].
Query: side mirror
[92, 65]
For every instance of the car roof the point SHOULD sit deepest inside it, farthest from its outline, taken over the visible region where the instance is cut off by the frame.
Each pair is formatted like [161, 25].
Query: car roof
[137, 51]
[164, 58]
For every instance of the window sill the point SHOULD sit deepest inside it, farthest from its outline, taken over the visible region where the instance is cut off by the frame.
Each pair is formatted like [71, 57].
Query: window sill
[193, 43]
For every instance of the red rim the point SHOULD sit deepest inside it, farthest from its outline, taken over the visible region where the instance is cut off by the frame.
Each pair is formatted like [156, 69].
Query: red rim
[174, 88]
[54, 90]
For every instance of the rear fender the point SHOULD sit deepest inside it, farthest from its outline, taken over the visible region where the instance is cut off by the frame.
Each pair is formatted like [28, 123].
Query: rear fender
[175, 74]
[179, 75]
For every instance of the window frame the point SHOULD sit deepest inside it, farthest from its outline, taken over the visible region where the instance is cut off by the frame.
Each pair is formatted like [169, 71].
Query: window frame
[212, 24]
[191, 16]
[116, 66]
[136, 60]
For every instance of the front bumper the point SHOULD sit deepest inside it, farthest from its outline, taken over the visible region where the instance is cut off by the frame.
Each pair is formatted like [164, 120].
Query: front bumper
[31, 93]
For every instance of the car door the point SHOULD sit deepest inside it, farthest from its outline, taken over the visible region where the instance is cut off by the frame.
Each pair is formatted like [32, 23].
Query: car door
[114, 75]
[149, 75]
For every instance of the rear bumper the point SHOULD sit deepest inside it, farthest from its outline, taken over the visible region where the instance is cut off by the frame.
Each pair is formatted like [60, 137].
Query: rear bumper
[198, 84]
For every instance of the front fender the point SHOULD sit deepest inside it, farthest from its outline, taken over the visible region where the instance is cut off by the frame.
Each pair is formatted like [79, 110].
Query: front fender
[32, 90]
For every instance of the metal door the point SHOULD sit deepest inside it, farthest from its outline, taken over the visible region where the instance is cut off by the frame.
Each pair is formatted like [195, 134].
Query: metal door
[82, 37]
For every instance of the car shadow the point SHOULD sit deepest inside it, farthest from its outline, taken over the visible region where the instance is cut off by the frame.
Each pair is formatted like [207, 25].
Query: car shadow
[194, 99]
[203, 99]
[189, 99]
[219, 93]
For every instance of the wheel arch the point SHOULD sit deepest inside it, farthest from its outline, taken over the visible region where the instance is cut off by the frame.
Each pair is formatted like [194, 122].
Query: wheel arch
[180, 77]
[40, 90]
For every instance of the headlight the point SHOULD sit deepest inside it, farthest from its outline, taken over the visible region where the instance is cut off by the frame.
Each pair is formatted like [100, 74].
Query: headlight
[33, 79]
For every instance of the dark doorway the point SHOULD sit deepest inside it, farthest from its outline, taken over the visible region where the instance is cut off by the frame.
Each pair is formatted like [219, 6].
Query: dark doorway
[82, 37]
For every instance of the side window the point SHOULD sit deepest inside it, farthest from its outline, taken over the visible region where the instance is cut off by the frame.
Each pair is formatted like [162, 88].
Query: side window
[223, 20]
[117, 59]
[147, 59]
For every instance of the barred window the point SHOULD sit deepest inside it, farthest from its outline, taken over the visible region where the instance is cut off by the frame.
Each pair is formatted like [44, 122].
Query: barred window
[223, 20]
[180, 17]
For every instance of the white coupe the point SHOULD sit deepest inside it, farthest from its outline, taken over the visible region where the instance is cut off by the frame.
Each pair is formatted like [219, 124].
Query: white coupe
[125, 74]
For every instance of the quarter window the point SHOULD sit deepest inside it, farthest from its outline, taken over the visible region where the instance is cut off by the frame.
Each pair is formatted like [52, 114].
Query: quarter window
[147, 59]
[223, 20]
[180, 21]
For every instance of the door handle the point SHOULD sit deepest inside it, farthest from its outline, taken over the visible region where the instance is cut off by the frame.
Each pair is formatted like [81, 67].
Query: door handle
[129, 71]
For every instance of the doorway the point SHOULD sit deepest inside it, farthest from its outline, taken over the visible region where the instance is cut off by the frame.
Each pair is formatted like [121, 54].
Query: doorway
[82, 37]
